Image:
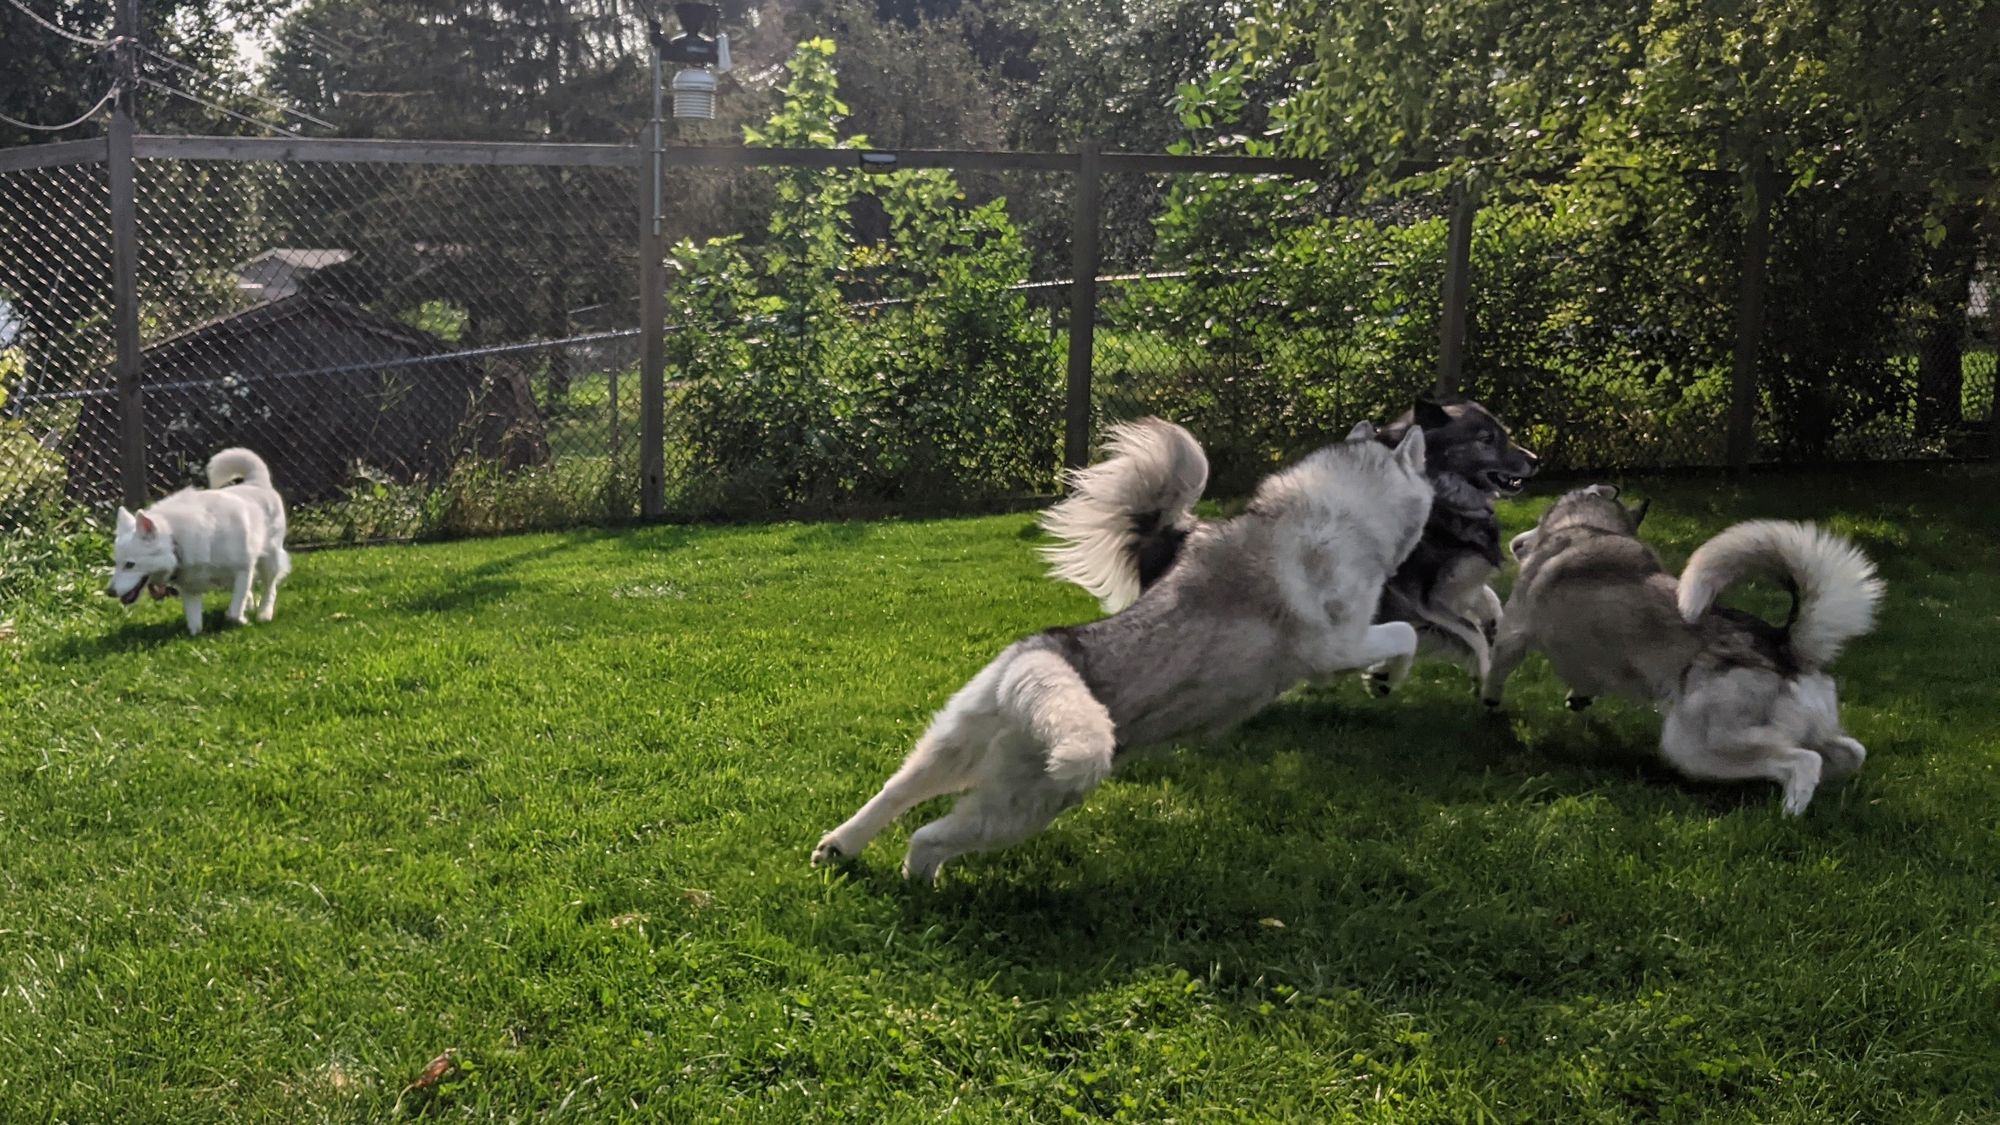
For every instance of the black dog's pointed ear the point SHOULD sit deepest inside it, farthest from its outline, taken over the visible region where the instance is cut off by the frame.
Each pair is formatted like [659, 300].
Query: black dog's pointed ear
[1431, 414]
[1639, 513]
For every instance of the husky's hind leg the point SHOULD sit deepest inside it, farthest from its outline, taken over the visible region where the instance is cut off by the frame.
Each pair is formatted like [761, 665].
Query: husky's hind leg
[1747, 755]
[1057, 743]
[239, 598]
[1003, 810]
[943, 762]
[276, 567]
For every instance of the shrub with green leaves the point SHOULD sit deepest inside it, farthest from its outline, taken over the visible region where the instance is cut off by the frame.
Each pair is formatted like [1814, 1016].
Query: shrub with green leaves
[822, 368]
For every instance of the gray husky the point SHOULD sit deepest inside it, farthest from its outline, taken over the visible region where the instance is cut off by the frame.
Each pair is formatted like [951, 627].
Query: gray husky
[1127, 517]
[1743, 699]
[1256, 605]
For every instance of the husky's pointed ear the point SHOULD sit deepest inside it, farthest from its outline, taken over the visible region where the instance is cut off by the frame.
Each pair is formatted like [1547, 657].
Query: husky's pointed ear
[1410, 451]
[126, 524]
[1639, 513]
[1608, 491]
[1521, 544]
[147, 527]
[1430, 413]
[1362, 431]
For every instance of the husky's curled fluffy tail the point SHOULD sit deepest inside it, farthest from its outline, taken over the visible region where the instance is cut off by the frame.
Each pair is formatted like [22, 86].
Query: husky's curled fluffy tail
[1834, 583]
[238, 466]
[1127, 516]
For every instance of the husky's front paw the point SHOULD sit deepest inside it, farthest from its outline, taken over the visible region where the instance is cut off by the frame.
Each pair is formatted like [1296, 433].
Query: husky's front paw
[829, 852]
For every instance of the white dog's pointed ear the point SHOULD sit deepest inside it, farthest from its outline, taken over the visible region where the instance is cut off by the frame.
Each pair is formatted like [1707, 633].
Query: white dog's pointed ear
[1410, 451]
[1364, 431]
[1521, 545]
[125, 522]
[146, 526]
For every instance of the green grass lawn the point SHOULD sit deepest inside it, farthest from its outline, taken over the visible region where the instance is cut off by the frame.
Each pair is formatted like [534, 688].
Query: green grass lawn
[546, 802]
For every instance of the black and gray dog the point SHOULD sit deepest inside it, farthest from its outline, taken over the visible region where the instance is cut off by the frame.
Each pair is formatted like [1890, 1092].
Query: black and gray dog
[1126, 518]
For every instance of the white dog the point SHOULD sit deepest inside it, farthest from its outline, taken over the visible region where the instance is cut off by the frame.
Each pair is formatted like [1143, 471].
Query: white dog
[198, 540]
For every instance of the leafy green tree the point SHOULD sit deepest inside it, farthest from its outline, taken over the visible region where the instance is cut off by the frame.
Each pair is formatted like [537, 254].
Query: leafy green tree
[938, 387]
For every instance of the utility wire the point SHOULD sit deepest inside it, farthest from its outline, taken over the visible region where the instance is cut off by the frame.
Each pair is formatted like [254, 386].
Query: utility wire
[87, 115]
[225, 111]
[62, 31]
[271, 102]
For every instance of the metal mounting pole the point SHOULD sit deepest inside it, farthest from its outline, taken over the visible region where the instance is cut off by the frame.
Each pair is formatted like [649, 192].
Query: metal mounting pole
[127, 363]
[1082, 309]
[652, 319]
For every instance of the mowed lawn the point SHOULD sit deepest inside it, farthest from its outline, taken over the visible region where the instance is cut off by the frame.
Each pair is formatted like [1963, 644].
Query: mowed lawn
[544, 804]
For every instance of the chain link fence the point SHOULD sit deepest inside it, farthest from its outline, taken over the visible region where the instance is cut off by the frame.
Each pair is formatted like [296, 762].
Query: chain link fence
[448, 339]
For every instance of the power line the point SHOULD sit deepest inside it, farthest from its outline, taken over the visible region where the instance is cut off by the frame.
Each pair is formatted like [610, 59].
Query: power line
[87, 115]
[225, 111]
[271, 102]
[62, 31]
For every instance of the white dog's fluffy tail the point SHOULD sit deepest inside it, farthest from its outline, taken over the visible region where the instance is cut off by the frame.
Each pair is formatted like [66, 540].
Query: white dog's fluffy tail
[238, 466]
[1835, 584]
[1041, 691]
[1127, 515]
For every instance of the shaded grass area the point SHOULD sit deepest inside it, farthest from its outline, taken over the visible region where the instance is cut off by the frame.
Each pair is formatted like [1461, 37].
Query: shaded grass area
[545, 802]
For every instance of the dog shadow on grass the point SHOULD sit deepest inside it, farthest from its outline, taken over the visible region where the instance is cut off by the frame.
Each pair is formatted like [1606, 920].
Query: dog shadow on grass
[1332, 835]
[134, 636]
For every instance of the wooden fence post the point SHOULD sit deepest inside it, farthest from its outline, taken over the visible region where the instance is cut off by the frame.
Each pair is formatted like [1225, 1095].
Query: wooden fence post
[1457, 290]
[127, 361]
[652, 331]
[1759, 188]
[1082, 309]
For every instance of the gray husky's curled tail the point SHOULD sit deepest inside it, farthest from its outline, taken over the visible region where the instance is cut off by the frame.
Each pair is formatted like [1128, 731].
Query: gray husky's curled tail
[1127, 516]
[238, 466]
[1834, 583]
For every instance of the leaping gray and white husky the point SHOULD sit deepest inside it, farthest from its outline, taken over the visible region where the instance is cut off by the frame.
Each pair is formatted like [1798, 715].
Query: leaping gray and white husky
[1284, 593]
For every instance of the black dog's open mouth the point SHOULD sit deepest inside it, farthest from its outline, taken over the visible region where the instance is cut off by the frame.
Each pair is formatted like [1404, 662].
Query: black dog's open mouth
[1506, 484]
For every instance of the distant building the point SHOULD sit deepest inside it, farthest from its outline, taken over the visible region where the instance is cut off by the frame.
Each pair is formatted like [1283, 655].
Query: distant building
[318, 387]
[279, 273]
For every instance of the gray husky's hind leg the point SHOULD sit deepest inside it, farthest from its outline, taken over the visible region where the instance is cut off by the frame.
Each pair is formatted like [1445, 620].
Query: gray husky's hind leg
[1005, 811]
[943, 762]
[1760, 752]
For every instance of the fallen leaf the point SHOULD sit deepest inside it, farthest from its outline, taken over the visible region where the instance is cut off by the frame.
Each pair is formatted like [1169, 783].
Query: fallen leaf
[697, 898]
[1270, 923]
[439, 1069]
[338, 616]
[633, 919]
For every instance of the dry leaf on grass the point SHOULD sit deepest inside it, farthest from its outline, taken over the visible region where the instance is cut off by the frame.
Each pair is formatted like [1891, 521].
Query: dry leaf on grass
[440, 1068]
